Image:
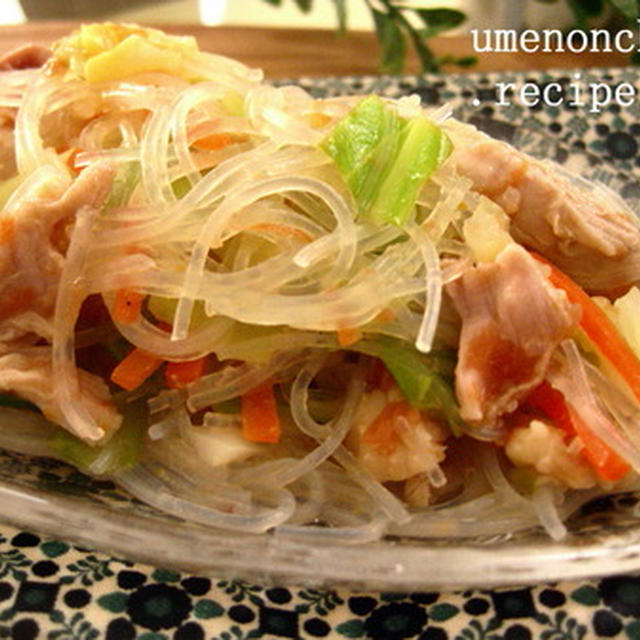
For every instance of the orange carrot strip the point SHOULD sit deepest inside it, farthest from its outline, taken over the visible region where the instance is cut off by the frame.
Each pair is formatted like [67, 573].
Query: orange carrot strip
[135, 368]
[260, 420]
[600, 330]
[215, 141]
[317, 120]
[178, 375]
[348, 336]
[127, 306]
[606, 463]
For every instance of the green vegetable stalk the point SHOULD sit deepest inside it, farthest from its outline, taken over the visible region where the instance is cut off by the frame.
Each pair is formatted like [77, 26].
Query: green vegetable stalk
[120, 452]
[385, 159]
[423, 378]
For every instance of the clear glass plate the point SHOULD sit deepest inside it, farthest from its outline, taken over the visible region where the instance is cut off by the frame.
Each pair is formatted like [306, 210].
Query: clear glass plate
[50, 497]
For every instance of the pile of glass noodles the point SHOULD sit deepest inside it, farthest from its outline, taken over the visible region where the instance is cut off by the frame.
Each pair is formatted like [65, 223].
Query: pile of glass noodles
[245, 306]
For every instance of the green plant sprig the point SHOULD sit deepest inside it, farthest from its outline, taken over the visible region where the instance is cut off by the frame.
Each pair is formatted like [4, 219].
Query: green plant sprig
[397, 25]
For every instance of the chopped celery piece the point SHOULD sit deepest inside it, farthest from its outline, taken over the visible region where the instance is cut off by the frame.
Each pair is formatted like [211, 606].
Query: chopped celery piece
[233, 103]
[231, 406]
[424, 148]
[421, 377]
[181, 187]
[385, 159]
[164, 309]
[120, 452]
[258, 344]
[125, 182]
[356, 146]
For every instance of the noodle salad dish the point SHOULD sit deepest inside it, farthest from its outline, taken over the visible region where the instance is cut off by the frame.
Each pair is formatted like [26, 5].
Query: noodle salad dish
[341, 318]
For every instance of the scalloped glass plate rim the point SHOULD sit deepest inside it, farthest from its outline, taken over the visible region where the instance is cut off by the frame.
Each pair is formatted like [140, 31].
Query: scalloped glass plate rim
[383, 565]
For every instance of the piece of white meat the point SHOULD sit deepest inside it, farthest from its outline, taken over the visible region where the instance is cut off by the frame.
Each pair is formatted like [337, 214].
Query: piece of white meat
[34, 237]
[28, 373]
[585, 230]
[512, 319]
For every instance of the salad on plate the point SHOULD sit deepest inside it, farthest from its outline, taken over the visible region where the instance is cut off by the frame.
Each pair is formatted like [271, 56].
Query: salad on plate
[339, 318]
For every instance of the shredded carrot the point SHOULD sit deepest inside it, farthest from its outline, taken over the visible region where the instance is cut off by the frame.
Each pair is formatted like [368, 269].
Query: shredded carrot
[348, 336]
[382, 433]
[385, 316]
[260, 420]
[178, 375]
[135, 368]
[127, 305]
[7, 230]
[215, 141]
[282, 230]
[599, 329]
[606, 463]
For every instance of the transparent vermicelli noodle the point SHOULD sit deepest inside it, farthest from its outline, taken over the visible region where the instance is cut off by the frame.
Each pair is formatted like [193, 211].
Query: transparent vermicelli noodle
[332, 319]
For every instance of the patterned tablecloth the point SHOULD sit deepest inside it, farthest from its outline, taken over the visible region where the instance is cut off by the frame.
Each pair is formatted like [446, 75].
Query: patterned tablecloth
[51, 589]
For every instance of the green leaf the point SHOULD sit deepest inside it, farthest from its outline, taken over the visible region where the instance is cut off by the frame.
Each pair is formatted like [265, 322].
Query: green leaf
[165, 575]
[437, 21]
[633, 630]
[442, 612]
[586, 595]
[115, 602]
[466, 61]
[124, 184]
[463, 61]
[391, 40]
[274, 3]
[304, 5]
[628, 8]
[56, 616]
[583, 10]
[53, 548]
[351, 628]
[341, 15]
[206, 609]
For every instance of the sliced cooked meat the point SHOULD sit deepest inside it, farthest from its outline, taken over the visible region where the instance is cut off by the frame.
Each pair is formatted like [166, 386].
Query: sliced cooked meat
[33, 237]
[586, 231]
[512, 319]
[29, 374]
